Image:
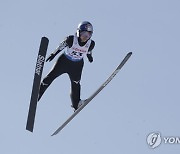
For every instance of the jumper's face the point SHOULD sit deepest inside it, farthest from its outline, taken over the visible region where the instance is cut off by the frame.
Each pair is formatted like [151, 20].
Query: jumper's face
[85, 35]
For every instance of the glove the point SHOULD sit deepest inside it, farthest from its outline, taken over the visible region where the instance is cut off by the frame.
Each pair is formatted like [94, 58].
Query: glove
[90, 58]
[51, 57]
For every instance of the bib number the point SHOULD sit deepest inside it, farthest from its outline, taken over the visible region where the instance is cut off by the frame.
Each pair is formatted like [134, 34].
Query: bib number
[76, 54]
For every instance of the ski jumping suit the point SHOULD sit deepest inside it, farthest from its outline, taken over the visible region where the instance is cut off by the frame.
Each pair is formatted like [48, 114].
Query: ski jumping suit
[70, 62]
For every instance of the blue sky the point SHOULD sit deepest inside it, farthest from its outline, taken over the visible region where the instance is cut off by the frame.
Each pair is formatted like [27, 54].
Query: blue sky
[142, 98]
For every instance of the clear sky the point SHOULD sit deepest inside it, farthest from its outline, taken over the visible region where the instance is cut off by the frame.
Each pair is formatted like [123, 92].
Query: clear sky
[142, 98]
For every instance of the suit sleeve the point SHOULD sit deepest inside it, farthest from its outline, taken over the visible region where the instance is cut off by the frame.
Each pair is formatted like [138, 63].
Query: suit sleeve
[68, 41]
[89, 54]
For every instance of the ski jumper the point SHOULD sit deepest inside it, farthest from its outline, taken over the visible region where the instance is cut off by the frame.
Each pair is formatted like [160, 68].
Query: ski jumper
[70, 62]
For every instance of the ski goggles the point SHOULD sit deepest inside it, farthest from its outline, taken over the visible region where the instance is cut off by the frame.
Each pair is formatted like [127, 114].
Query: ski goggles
[86, 34]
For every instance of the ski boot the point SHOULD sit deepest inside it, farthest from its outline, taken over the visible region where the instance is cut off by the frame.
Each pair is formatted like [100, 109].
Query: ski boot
[81, 102]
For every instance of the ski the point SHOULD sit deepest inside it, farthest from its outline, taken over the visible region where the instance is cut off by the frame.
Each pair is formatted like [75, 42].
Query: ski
[94, 94]
[36, 83]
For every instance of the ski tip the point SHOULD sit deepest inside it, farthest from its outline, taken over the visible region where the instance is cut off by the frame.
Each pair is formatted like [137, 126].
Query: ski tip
[45, 38]
[130, 53]
[53, 134]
